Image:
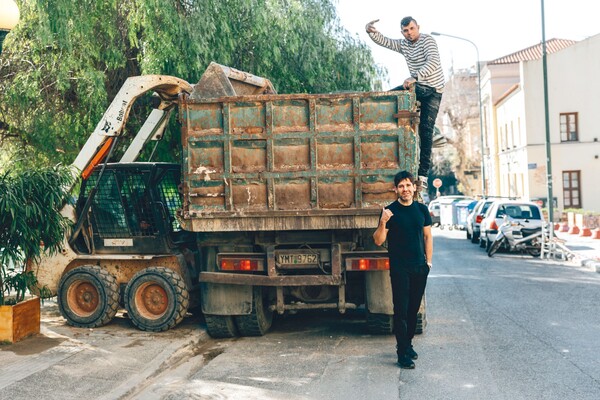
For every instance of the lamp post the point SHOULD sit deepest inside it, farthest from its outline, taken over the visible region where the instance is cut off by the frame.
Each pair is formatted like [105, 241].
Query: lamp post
[9, 16]
[483, 182]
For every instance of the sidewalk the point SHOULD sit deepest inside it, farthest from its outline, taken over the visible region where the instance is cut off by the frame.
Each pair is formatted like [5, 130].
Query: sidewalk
[586, 249]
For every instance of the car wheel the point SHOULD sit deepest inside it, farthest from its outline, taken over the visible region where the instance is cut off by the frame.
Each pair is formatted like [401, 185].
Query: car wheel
[482, 242]
[469, 236]
[474, 238]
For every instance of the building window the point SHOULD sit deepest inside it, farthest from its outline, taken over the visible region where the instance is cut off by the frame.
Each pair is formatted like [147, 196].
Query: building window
[572, 189]
[568, 127]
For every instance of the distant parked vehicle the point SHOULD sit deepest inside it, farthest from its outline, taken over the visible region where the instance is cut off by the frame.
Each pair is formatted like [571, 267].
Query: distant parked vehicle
[527, 213]
[463, 209]
[434, 211]
[475, 217]
[449, 211]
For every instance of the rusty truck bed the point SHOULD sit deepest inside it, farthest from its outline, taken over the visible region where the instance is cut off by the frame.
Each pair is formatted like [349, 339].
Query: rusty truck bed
[294, 162]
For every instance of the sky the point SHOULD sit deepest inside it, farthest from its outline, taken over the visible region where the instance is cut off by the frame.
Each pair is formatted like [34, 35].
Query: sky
[497, 28]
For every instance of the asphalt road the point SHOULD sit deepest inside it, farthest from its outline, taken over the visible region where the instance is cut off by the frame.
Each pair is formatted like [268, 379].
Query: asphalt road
[507, 327]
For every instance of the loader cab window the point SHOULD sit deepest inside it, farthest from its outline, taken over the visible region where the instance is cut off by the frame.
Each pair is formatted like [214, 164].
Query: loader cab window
[122, 206]
[168, 192]
[108, 212]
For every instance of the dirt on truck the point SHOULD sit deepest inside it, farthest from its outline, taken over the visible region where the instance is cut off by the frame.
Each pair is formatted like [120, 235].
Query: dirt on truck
[271, 210]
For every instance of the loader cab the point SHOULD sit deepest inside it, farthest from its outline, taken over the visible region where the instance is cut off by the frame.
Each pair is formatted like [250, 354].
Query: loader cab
[133, 209]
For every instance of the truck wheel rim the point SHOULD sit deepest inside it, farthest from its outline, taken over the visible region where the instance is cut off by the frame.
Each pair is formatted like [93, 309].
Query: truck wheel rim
[152, 300]
[83, 298]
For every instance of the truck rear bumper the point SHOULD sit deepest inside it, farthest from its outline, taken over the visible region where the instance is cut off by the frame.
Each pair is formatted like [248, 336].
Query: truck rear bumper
[261, 280]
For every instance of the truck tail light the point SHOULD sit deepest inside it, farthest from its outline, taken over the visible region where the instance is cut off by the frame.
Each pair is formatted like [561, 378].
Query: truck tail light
[244, 264]
[367, 264]
[494, 226]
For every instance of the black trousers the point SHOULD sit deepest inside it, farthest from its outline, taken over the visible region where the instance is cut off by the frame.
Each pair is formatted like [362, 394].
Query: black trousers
[430, 104]
[408, 287]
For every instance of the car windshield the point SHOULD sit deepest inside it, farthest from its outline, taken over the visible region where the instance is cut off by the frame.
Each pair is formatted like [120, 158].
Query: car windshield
[519, 211]
[485, 207]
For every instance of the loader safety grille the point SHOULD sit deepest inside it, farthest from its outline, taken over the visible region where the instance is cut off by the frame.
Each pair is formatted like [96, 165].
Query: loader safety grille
[133, 200]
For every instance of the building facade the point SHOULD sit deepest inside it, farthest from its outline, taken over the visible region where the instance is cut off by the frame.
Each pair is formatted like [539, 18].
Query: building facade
[515, 152]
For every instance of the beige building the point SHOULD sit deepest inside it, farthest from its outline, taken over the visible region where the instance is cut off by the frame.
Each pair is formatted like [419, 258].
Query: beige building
[515, 130]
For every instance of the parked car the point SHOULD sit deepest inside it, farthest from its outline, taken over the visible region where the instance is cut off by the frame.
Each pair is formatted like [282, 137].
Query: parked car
[526, 212]
[434, 211]
[475, 217]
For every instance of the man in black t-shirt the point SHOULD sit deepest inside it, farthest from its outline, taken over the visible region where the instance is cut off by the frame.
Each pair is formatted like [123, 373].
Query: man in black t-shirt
[406, 225]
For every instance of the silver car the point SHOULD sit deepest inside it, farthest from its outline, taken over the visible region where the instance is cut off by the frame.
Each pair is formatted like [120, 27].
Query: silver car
[434, 211]
[475, 217]
[528, 213]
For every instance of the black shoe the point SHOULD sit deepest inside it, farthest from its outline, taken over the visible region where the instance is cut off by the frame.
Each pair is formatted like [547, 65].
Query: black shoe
[411, 353]
[405, 362]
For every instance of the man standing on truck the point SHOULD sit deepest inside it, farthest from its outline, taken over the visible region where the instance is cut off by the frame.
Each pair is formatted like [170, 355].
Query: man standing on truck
[406, 224]
[423, 59]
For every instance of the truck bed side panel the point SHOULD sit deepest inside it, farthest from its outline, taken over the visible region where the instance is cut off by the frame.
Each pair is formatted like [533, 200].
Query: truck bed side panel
[289, 162]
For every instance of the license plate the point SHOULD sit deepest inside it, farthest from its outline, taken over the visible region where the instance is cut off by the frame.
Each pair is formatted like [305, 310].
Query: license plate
[297, 259]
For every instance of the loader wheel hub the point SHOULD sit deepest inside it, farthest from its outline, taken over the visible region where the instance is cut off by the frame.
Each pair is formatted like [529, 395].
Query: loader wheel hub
[83, 298]
[152, 300]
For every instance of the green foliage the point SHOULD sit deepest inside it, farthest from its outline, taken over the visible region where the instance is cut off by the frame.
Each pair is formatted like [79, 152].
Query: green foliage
[66, 60]
[30, 201]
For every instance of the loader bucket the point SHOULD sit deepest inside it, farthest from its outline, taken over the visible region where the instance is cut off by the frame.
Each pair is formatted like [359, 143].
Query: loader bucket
[219, 81]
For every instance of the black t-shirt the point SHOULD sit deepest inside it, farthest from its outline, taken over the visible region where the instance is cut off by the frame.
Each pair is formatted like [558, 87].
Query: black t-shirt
[406, 247]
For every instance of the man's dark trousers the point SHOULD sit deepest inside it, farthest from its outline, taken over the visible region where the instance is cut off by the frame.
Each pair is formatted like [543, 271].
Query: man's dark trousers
[430, 105]
[408, 286]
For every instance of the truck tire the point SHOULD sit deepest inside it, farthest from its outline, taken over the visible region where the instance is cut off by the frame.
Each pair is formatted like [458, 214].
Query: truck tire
[258, 322]
[88, 297]
[156, 299]
[220, 326]
[379, 324]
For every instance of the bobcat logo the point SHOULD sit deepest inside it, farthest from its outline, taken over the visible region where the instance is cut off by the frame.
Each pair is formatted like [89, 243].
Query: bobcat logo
[107, 126]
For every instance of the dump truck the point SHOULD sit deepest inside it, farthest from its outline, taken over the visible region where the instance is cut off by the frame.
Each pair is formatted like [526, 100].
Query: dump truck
[271, 210]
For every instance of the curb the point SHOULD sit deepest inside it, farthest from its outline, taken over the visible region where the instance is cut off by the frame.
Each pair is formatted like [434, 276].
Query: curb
[588, 262]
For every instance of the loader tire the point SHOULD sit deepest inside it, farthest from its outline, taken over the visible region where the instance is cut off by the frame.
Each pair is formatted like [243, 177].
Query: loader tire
[258, 322]
[379, 324]
[88, 297]
[156, 299]
[220, 326]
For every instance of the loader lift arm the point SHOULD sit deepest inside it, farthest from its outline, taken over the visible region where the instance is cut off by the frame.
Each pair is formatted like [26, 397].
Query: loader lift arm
[114, 119]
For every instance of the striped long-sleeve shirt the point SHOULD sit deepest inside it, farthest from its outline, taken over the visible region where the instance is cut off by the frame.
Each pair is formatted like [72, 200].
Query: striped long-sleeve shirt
[422, 58]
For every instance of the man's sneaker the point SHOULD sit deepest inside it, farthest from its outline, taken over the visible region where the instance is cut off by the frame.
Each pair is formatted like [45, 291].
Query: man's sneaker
[411, 353]
[405, 362]
[422, 183]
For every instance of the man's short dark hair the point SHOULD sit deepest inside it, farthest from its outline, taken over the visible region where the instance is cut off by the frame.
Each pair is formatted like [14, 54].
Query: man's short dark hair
[407, 20]
[402, 175]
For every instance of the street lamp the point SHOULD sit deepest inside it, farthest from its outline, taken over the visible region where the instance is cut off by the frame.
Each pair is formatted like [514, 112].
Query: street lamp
[483, 183]
[9, 16]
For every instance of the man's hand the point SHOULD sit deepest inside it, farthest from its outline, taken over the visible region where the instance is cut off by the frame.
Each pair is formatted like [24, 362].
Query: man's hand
[385, 216]
[409, 82]
[371, 26]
